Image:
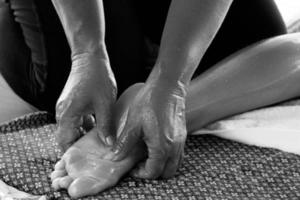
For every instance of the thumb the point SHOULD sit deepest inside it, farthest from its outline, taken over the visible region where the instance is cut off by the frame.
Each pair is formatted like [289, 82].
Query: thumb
[103, 114]
[128, 138]
[69, 125]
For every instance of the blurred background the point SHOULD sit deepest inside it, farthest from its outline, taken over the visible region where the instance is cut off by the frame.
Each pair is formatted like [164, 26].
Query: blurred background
[290, 10]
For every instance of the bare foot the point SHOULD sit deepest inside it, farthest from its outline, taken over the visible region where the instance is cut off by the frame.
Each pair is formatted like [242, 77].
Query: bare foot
[83, 169]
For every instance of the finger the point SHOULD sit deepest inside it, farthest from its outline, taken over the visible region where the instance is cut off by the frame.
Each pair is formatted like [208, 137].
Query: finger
[124, 101]
[181, 159]
[135, 171]
[128, 138]
[68, 116]
[103, 123]
[68, 131]
[173, 162]
[88, 186]
[154, 165]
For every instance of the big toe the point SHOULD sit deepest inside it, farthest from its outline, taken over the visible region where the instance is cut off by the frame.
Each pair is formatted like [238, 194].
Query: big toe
[88, 186]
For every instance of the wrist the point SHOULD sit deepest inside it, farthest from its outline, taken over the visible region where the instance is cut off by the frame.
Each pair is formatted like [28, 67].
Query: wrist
[173, 71]
[89, 51]
[94, 68]
[165, 83]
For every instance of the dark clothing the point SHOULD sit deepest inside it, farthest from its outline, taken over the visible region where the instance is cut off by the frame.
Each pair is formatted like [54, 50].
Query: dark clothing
[35, 56]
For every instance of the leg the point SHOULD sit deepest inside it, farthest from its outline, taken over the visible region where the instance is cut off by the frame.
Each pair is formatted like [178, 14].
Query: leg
[241, 28]
[24, 53]
[50, 60]
[11, 105]
[260, 75]
[14, 57]
[257, 76]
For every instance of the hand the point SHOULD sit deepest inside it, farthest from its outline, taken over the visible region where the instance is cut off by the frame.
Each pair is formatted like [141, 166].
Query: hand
[90, 90]
[156, 116]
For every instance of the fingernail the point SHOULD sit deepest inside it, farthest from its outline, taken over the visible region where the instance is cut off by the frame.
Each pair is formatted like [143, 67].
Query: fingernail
[109, 141]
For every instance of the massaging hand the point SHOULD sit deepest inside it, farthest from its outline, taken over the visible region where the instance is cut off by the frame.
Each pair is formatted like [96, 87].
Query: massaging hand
[90, 89]
[156, 116]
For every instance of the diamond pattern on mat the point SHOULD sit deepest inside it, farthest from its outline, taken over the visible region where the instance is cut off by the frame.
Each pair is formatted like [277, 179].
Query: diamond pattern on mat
[213, 168]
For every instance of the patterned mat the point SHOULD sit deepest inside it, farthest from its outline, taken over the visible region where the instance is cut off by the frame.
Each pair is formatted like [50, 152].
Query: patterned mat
[213, 168]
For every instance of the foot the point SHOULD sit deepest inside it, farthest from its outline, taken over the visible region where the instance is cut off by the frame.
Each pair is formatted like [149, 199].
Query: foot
[85, 168]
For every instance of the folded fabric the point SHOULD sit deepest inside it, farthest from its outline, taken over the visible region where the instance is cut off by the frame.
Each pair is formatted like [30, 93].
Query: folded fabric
[213, 168]
[10, 193]
[273, 127]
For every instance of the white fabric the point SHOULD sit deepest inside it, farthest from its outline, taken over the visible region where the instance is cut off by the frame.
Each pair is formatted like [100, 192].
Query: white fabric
[10, 193]
[275, 127]
[11, 105]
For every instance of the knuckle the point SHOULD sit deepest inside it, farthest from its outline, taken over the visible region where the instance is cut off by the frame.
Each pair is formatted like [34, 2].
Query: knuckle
[63, 137]
[62, 103]
[68, 109]
[177, 136]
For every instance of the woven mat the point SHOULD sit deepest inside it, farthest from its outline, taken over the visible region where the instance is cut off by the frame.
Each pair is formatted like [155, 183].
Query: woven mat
[213, 168]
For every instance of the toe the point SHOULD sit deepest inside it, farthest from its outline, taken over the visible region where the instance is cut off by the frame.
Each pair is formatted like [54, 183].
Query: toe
[88, 186]
[57, 174]
[65, 182]
[55, 184]
[60, 165]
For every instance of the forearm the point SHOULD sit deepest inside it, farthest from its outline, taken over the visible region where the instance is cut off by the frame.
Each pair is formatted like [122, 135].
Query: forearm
[190, 27]
[84, 25]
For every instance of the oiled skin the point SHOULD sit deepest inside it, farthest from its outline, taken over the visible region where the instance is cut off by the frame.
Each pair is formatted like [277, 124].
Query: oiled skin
[86, 167]
[263, 74]
[185, 38]
[91, 87]
[87, 170]
[159, 107]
